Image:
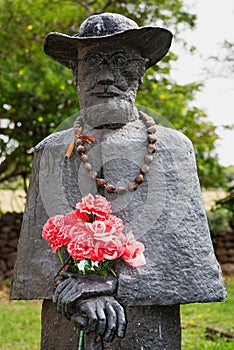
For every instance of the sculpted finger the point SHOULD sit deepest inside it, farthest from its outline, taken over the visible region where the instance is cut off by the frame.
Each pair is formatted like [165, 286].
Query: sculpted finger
[89, 308]
[67, 274]
[59, 289]
[79, 320]
[70, 300]
[62, 298]
[121, 319]
[69, 297]
[111, 322]
[101, 326]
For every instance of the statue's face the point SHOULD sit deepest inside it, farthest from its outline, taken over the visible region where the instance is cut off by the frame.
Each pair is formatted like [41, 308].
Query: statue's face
[107, 74]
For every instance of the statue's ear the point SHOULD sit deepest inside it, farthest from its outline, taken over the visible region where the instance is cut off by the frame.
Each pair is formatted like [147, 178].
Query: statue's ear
[74, 68]
[140, 81]
[146, 63]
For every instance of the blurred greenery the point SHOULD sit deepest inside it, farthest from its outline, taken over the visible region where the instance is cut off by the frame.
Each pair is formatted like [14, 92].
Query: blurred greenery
[229, 173]
[219, 221]
[221, 215]
[228, 204]
[37, 93]
[14, 183]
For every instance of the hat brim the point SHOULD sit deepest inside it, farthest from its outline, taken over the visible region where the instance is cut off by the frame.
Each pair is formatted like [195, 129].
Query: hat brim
[152, 42]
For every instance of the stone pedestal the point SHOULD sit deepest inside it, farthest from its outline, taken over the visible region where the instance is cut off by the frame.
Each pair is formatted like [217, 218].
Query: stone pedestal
[149, 328]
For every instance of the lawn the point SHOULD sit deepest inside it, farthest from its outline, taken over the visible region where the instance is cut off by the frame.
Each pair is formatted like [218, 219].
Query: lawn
[197, 317]
[20, 323]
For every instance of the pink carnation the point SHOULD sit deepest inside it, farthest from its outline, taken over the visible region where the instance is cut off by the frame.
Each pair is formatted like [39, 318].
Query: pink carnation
[96, 241]
[74, 226]
[75, 216]
[133, 253]
[92, 232]
[108, 241]
[78, 232]
[100, 230]
[80, 251]
[110, 250]
[97, 205]
[81, 241]
[113, 221]
[53, 231]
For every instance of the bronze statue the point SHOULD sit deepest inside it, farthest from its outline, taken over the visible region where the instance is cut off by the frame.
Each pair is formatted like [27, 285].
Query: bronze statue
[154, 189]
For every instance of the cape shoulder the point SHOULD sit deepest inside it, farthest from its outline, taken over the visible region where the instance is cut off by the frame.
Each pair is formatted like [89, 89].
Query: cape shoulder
[172, 136]
[55, 139]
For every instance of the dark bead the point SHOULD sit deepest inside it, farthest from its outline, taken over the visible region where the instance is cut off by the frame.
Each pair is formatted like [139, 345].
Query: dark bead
[84, 158]
[144, 117]
[144, 169]
[151, 148]
[139, 179]
[152, 129]
[93, 175]
[152, 138]
[121, 190]
[110, 189]
[149, 122]
[132, 187]
[101, 183]
[148, 158]
[79, 142]
[80, 149]
[87, 166]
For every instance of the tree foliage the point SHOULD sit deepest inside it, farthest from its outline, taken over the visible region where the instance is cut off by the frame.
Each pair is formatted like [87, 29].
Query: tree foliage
[37, 93]
[221, 216]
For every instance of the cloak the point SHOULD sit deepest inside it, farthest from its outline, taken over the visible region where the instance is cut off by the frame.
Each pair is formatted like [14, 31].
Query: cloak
[165, 213]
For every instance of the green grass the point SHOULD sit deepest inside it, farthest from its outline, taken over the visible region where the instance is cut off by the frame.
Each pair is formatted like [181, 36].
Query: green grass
[196, 317]
[20, 324]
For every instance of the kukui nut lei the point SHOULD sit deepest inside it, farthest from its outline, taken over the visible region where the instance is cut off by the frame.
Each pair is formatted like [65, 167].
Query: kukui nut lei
[79, 140]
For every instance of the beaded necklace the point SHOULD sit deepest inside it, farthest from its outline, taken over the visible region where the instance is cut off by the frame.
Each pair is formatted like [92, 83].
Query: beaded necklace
[79, 140]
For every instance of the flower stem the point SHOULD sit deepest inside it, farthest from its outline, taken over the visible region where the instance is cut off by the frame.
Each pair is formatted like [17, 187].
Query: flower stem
[81, 340]
[60, 256]
[113, 271]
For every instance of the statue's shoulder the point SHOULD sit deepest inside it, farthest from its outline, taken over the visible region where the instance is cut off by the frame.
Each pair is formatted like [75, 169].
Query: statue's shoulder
[56, 139]
[175, 142]
[171, 136]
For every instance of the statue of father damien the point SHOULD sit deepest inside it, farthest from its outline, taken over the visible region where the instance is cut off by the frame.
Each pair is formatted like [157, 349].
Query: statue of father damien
[146, 171]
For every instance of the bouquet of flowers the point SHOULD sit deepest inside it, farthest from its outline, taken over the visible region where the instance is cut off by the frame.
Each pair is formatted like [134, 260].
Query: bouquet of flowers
[94, 237]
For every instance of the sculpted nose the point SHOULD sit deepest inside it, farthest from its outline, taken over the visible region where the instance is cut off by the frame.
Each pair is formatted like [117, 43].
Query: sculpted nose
[105, 75]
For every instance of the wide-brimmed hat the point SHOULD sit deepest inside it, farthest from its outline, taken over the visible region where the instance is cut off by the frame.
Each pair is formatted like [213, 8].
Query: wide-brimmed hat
[152, 42]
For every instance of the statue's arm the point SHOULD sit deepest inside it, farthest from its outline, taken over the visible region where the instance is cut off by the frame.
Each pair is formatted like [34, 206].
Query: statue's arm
[36, 265]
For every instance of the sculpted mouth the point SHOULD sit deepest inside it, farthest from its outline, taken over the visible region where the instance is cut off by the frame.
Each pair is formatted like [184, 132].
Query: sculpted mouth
[105, 94]
[105, 91]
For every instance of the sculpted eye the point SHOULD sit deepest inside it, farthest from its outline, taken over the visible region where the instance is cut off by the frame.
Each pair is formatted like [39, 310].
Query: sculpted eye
[92, 59]
[118, 60]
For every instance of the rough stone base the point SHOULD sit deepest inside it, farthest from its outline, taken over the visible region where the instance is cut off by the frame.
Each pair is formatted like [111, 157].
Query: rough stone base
[149, 328]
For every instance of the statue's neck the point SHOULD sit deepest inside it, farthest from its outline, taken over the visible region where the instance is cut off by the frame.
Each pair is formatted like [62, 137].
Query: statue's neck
[111, 115]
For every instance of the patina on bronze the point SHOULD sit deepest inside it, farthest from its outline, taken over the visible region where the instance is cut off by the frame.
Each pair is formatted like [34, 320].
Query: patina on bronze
[108, 59]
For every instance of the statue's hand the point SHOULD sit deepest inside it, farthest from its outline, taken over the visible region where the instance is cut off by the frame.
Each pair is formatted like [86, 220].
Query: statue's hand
[101, 315]
[79, 287]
